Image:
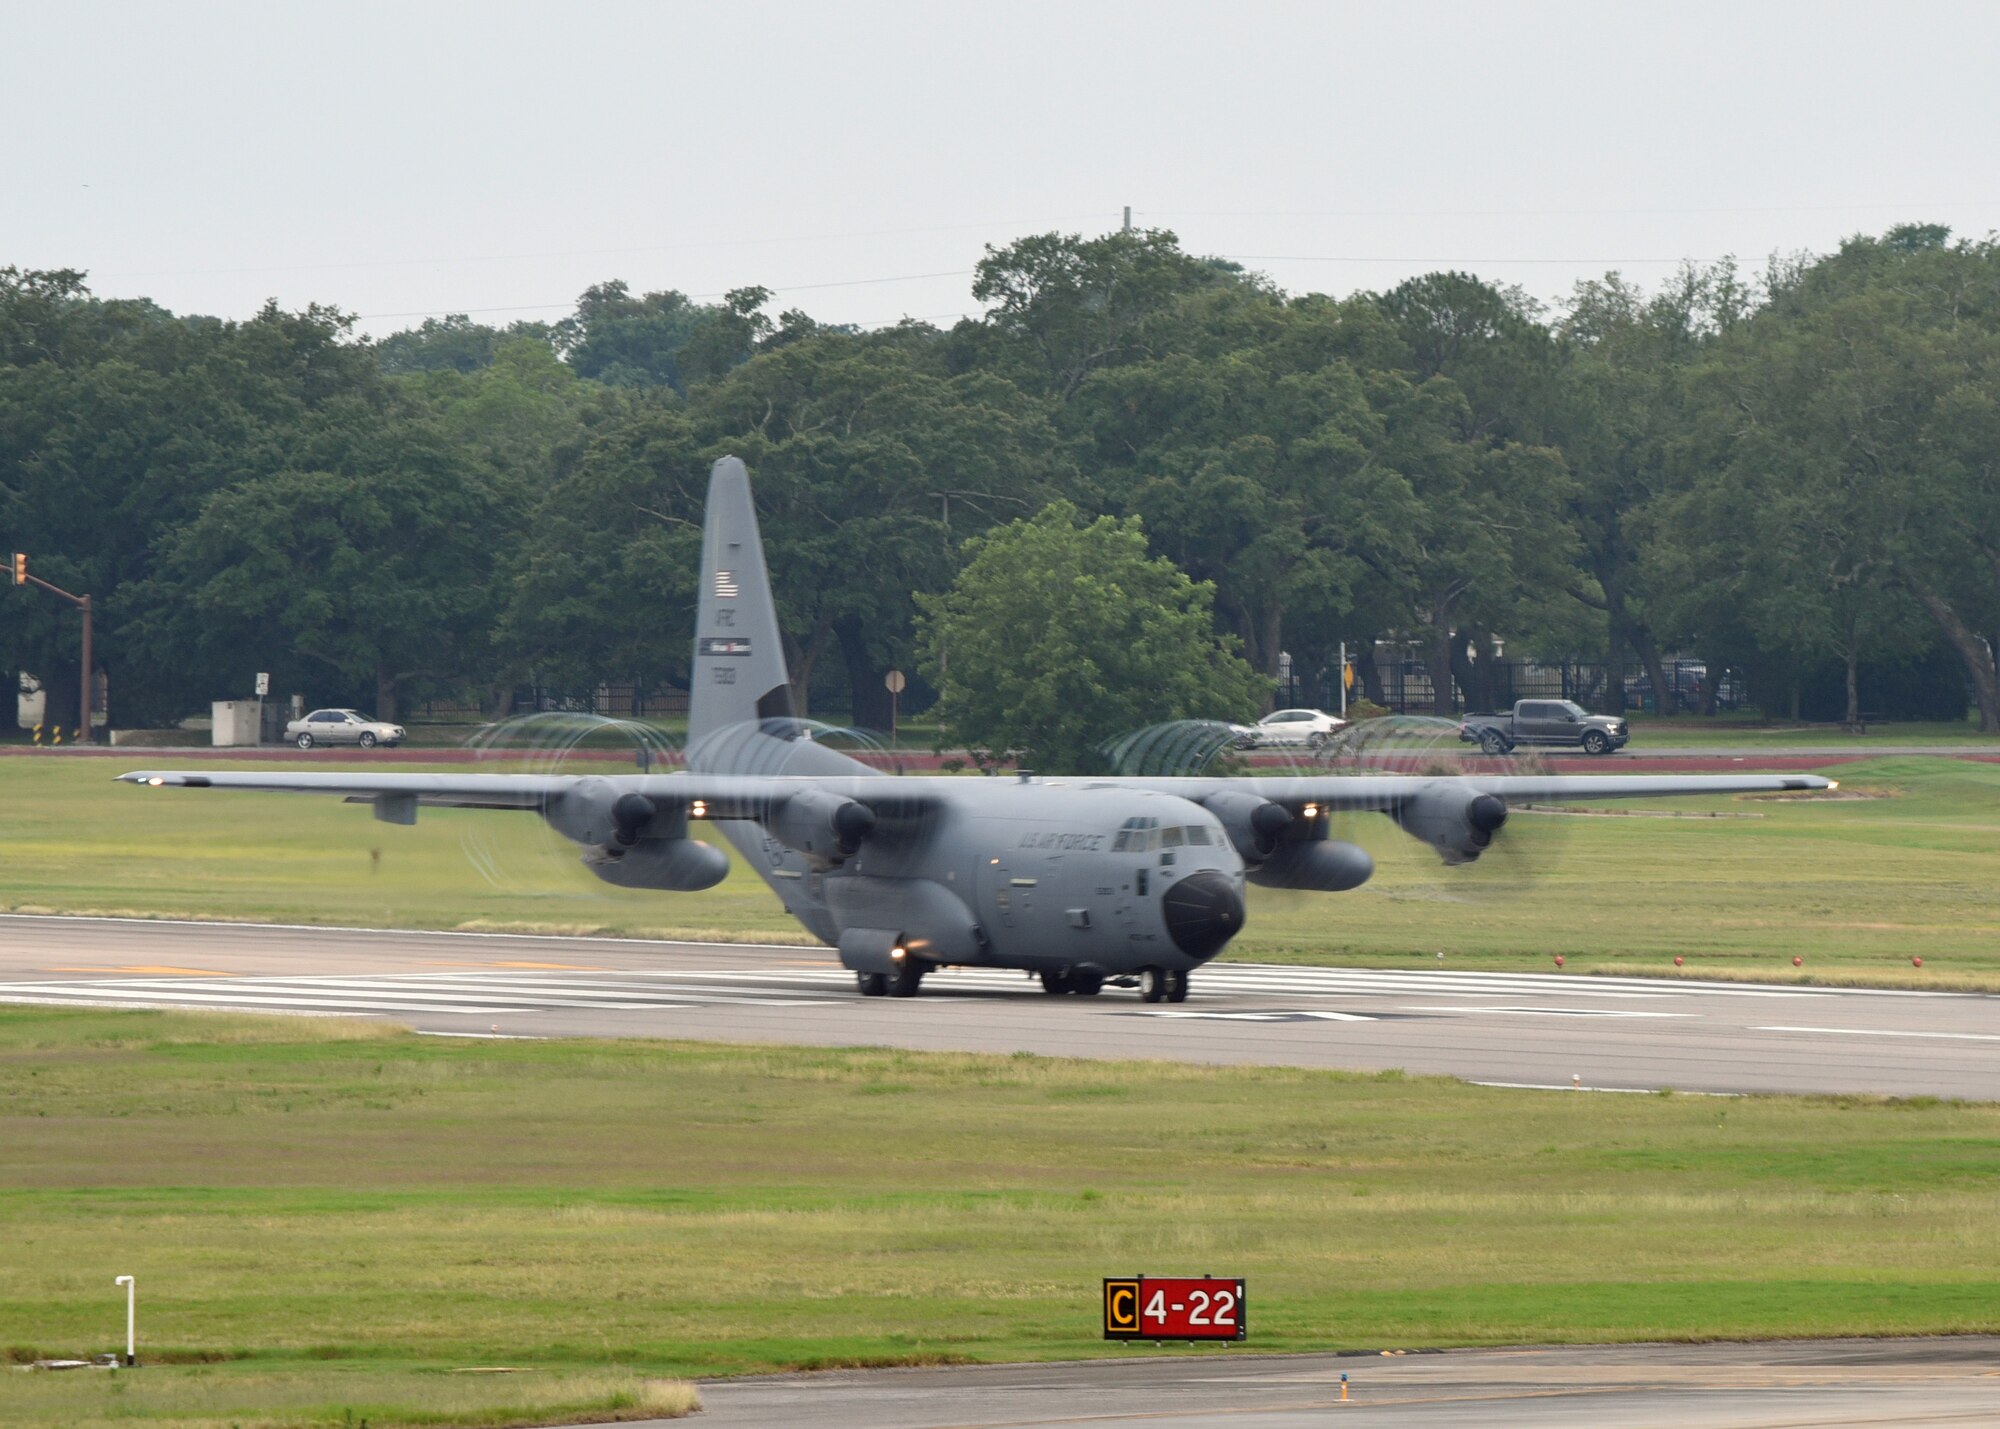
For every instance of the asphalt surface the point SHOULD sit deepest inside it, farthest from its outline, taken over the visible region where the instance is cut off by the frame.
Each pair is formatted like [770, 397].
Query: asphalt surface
[1787, 1385]
[1557, 1031]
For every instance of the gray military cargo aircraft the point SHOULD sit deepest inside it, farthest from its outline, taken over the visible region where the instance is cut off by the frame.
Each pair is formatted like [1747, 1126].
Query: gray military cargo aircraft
[1083, 881]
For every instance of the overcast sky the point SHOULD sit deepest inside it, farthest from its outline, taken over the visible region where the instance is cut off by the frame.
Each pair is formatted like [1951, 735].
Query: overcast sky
[405, 159]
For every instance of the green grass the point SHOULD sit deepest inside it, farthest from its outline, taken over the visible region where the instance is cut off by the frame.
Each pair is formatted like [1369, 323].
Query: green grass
[350, 1396]
[1856, 887]
[1750, 728]
[334, 1213]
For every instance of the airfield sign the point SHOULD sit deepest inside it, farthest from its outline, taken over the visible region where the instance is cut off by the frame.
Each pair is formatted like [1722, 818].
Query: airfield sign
[1154, 1307]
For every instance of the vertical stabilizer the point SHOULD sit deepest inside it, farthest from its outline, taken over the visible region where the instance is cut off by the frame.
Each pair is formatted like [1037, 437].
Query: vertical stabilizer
[738, 677]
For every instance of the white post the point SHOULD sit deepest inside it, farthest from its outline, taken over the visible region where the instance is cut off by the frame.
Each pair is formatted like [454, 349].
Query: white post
[131, 1320]
[1342, 680]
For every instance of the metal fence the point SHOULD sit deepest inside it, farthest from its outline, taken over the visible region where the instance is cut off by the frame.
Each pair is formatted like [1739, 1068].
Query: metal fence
[618, 701]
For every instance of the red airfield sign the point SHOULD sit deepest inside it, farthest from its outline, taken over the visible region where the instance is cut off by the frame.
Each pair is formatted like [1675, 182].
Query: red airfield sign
[1153, 1307]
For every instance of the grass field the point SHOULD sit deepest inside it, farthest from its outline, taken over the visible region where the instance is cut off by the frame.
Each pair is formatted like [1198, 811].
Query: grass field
[325, 1217]
[1856, 886]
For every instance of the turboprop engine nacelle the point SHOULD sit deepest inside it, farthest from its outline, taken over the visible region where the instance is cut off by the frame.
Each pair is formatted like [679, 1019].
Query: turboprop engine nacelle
[1458, 822]
[826, 828]
[634, 842]
[674, 865]
[1283, 851]
[1254, 825]
[1320, 865]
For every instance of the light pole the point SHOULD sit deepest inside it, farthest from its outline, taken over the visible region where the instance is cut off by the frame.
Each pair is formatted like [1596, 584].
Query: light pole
[131, 1319]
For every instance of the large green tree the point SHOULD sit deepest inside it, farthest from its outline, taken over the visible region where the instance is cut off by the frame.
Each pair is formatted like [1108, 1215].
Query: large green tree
[1061, 634]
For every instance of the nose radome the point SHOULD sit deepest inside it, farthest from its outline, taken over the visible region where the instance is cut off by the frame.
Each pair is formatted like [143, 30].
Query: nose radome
[1203, 912]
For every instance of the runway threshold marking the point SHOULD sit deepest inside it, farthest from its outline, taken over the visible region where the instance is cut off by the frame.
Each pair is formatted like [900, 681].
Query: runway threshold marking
[1887, 1032]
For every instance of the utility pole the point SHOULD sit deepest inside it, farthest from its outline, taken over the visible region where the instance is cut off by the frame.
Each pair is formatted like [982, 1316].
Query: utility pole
[1128, 219]
[82, 602]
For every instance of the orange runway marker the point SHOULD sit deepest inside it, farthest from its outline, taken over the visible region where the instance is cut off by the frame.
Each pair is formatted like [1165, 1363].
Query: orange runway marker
[150, 971]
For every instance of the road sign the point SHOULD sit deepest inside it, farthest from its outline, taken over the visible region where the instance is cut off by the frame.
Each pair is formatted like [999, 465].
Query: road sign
[894, 682]
[1151, 1307]
[263, 683]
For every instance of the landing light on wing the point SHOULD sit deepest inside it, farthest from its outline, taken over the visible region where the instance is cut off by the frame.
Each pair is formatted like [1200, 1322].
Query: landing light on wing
[155, 782]
[699, 808]
[1833, 783]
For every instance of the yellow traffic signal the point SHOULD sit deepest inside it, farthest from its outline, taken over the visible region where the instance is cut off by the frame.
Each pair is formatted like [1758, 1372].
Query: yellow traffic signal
[20, 568]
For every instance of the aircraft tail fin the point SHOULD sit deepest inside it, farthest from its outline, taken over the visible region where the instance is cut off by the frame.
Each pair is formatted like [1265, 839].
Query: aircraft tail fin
[738, 676]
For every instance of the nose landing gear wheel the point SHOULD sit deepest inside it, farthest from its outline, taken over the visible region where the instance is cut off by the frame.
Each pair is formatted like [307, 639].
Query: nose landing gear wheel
[1177, 987]
[1152, 984]
[871, 984]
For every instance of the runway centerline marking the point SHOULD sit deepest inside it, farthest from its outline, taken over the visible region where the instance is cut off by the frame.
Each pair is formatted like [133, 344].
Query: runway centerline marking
[1549, 1011]
[1886, 1032]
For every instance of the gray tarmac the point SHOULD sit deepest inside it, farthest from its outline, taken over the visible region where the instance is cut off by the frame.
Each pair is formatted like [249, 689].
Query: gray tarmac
[1557, 1031]
[1781, 1385]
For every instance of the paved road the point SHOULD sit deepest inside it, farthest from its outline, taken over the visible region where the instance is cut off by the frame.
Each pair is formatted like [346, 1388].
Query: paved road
[1613, 1034]
[1728, 1386]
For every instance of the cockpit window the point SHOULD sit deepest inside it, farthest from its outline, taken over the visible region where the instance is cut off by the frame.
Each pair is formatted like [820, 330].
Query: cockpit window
[1196, 834]
[1170, 838]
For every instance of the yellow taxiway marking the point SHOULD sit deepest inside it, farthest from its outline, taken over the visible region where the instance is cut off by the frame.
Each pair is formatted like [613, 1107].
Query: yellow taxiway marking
[150, 971]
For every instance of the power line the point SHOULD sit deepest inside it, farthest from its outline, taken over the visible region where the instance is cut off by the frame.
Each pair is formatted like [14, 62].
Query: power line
[695, 297]
[1347, 258]
[1556, 212]
[734, 242]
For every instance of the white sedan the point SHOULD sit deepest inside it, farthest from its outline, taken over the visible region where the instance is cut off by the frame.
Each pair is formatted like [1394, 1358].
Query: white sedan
[1307, 728]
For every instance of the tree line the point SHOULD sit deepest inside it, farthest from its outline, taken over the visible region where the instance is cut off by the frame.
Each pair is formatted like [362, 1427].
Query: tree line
[1791, 474]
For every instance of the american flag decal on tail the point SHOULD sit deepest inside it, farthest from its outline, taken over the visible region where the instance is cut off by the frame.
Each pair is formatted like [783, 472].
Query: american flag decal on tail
[725, 585]
[723, 645]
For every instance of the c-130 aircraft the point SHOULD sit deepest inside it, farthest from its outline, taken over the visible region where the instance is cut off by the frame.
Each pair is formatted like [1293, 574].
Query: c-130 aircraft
[1083, 881]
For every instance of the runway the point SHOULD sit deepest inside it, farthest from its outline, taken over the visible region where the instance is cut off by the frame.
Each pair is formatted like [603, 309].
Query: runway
[1552, 1031]
[1787, 1385]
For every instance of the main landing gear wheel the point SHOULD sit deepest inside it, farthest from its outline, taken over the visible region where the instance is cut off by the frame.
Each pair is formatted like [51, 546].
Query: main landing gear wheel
[1177, 987]
[1086, 984]
[871, 984]
[906, 979]
[1055, 983]
[1596, 742]
[1153, 984]
[304, 741]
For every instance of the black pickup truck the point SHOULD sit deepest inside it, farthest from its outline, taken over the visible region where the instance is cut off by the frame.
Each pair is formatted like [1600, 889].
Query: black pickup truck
[1545, 722]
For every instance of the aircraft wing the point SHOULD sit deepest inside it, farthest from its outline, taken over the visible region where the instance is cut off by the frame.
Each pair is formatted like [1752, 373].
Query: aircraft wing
[724, 796]
[1336, 792]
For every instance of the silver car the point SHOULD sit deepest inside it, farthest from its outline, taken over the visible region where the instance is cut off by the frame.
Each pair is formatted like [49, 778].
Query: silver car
[1310, 728]
[342, 727]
